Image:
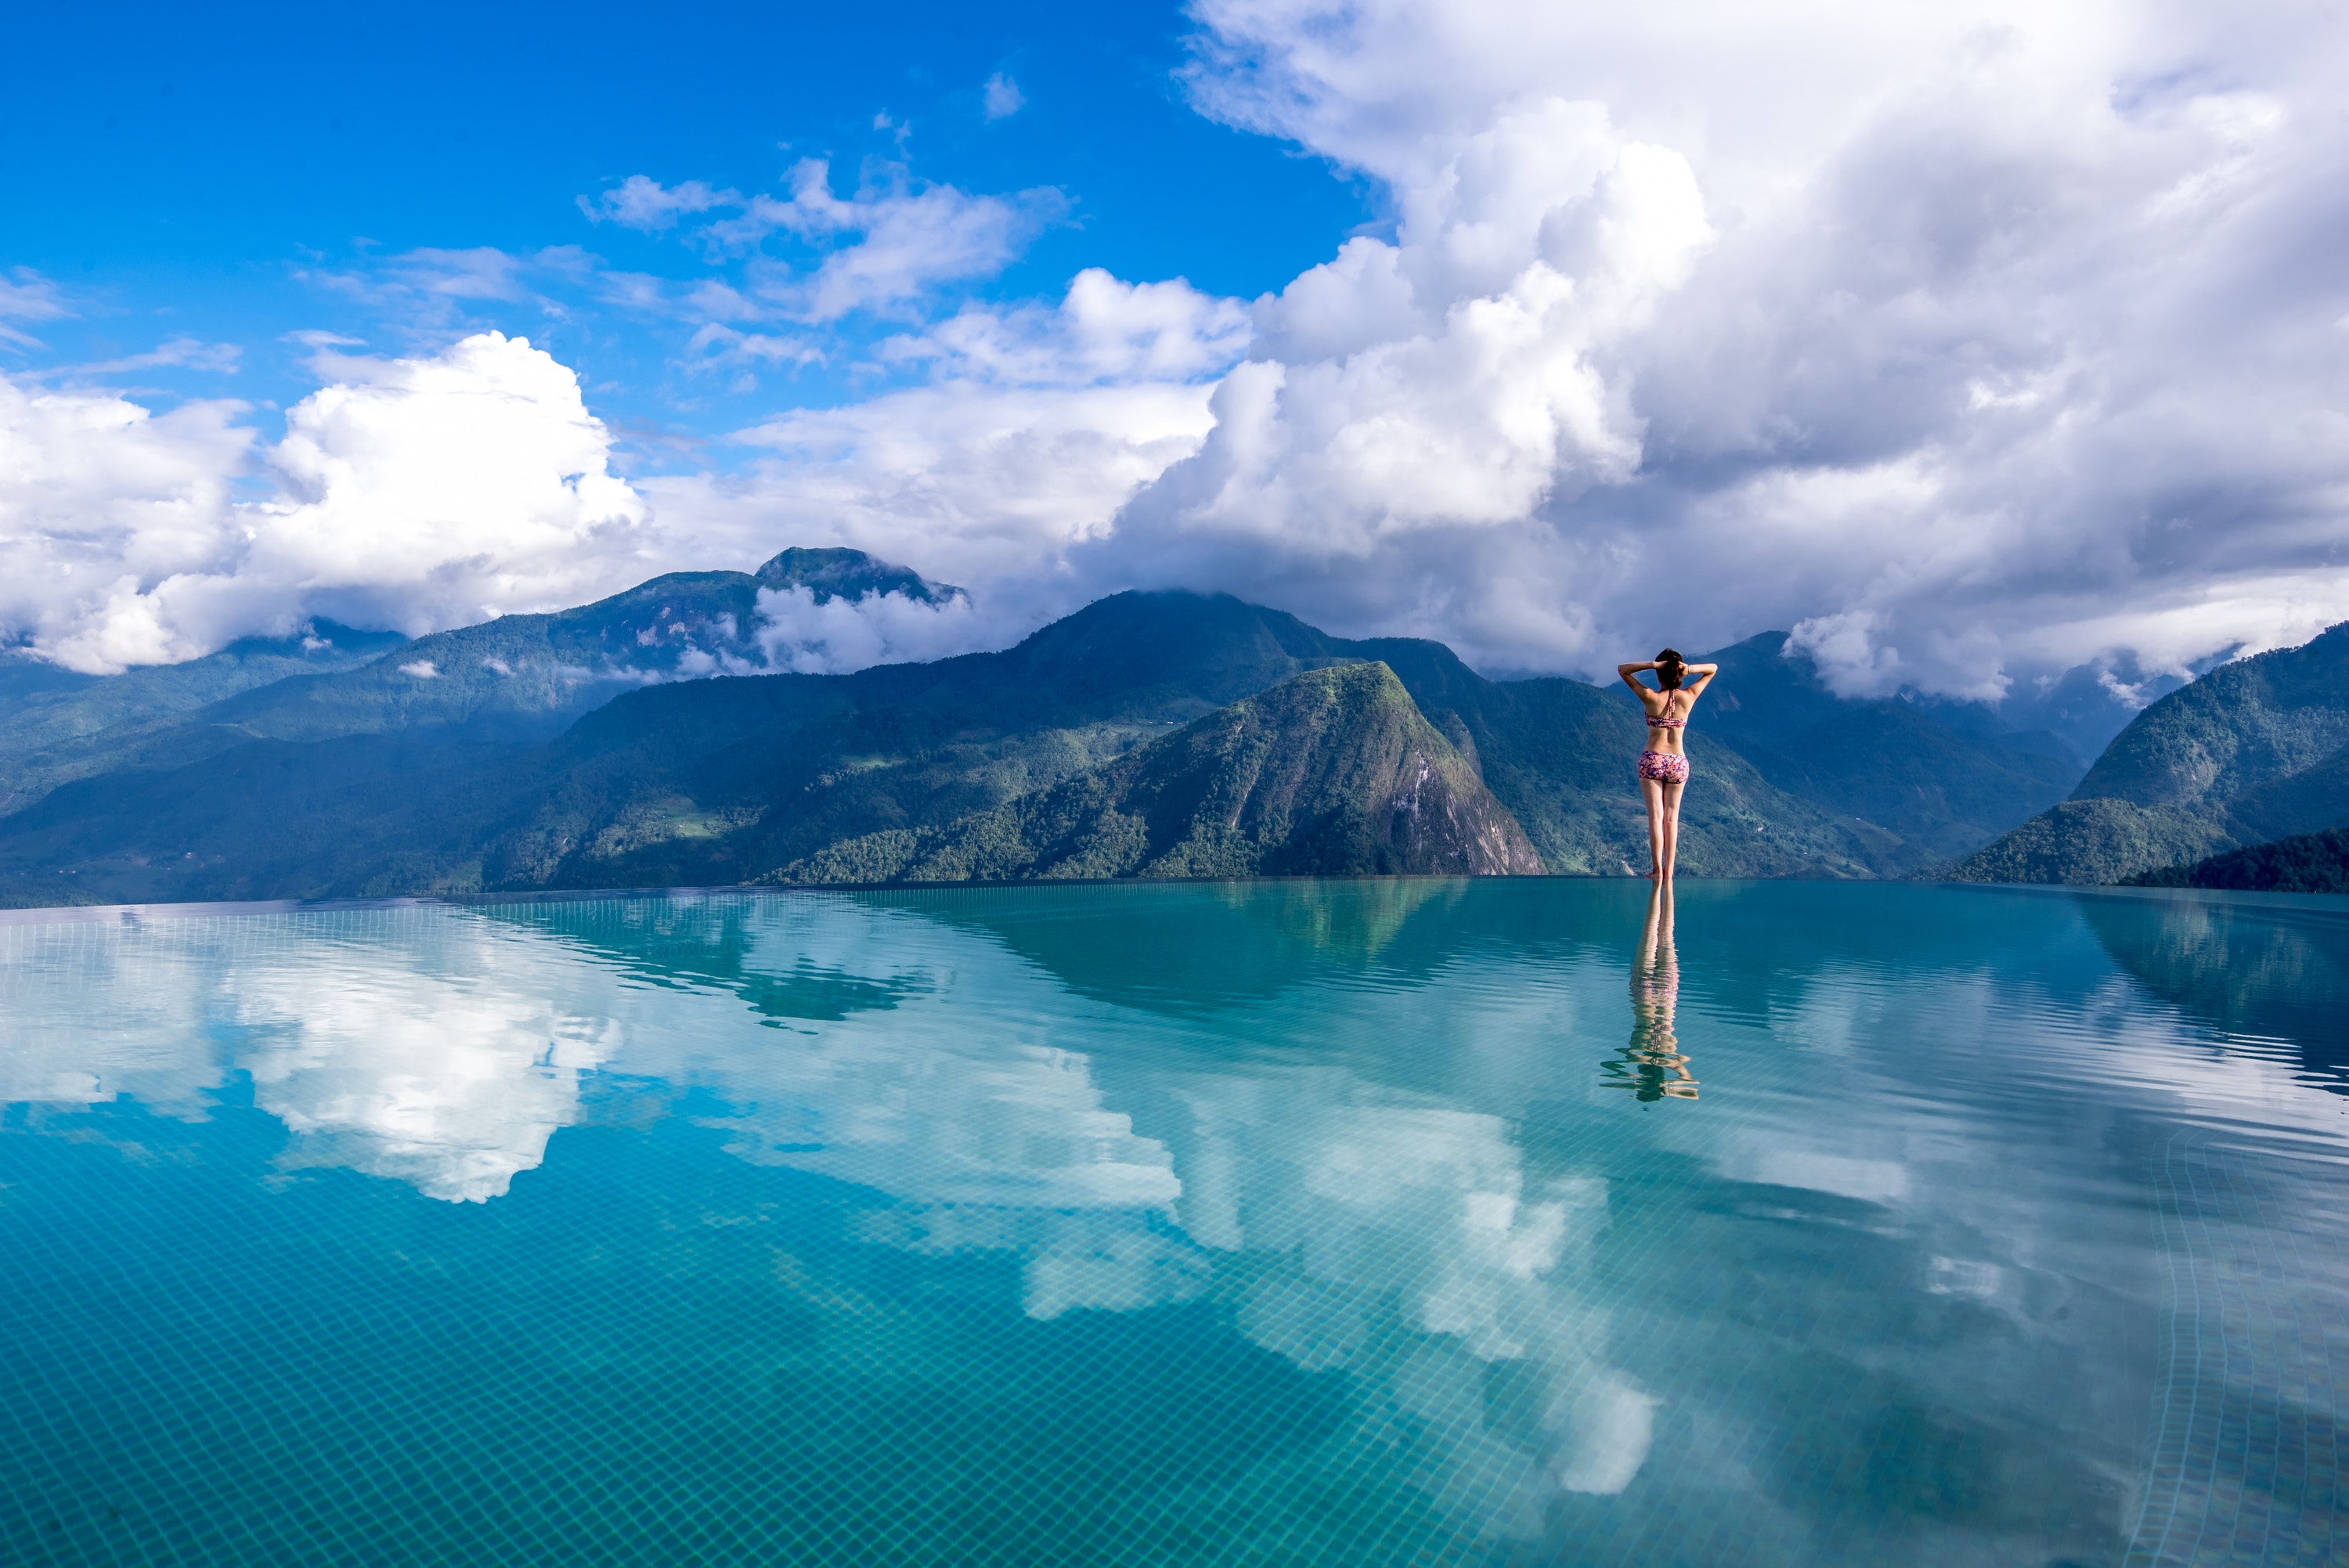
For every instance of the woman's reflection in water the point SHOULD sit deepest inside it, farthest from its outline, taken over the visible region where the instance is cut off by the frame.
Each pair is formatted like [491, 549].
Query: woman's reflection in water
[1651, 1066]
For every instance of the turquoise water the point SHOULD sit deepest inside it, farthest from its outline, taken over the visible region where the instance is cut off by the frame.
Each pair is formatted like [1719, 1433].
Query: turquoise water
[1498, 1223]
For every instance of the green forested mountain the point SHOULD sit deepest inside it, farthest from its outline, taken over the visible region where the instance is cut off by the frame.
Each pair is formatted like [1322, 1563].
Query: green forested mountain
[1329, 773]
[496, 757]
[726, 779]
[2251, 751]
[2304, 862]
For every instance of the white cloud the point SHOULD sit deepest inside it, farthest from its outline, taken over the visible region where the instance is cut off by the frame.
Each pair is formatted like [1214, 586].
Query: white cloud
[1989, 338]
[642, 202]
[909, 239]
[887, 245]
[1973, 343]
[796, 632]
[418, 494]
[25, 296]
[1035, 426]
[484, 272]
[176, 354]
[1408, 398]
[100, 502]
[1104, 331]
[1002, 96]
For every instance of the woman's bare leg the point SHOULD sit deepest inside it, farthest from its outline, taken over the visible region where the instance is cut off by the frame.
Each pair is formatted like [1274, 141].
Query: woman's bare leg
[1654, 790]
[1670, 837]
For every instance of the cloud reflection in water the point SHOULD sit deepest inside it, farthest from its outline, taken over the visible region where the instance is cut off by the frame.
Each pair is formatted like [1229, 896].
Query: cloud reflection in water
[1373, 1147]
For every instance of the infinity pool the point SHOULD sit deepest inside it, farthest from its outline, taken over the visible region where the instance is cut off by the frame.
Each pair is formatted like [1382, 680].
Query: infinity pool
[1421, 1221]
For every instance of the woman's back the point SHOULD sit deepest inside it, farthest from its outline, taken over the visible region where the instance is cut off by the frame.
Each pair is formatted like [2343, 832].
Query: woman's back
[1666, 717]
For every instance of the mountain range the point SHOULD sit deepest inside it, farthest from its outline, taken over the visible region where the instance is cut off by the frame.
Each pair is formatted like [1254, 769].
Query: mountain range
[648, 739]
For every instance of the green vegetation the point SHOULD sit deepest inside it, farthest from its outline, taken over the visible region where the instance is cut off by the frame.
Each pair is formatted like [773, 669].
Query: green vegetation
[2305, 863]
[2252, 751]
[498, 757]
[829, 574]
[1332, 772]
[2086, 842]
[57, 726]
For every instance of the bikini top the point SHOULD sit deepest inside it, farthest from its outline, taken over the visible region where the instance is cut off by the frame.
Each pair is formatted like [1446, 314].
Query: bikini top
[1679, 723]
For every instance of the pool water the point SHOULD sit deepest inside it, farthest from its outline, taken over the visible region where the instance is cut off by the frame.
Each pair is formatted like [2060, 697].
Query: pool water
[1405, 1221]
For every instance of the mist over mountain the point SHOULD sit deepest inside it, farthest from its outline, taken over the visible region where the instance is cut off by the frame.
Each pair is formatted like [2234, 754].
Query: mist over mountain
[674, 735]
[1945, 776]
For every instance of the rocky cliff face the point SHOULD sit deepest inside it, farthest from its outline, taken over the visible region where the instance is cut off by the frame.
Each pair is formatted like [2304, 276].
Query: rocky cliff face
[1333, 772]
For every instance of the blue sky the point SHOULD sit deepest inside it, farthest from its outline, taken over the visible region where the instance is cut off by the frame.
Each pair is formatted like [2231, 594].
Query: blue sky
[180, 173]
[1970, 342]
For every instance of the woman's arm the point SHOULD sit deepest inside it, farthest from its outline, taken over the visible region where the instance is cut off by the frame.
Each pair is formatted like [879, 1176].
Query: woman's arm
[1627, 671]
[1704, 674]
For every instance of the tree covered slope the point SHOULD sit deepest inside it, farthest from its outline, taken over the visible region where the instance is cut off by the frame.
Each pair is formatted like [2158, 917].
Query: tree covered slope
[498, 756]
[2249, 751]
[727, 779]
[2305, 863]
[1332, 772]
[57, 726]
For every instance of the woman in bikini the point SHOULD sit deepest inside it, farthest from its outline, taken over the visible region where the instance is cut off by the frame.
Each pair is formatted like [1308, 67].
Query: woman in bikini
[1663, 766]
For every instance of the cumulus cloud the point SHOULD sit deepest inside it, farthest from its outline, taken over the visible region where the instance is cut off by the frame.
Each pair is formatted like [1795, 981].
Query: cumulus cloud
[439, 489]
[1104, 331]
[1407, 397]
[1032, 428]
[415, 494]
[101, 504]
[1976, 343]
[1968, 346]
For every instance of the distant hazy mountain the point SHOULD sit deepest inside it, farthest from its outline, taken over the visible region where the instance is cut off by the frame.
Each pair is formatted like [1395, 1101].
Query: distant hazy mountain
[498, 756]
[1942, 777]
[56, 724]
[527, 677]
[1332, 772]
[2305, 863]
[518, 678]
[2251, 751]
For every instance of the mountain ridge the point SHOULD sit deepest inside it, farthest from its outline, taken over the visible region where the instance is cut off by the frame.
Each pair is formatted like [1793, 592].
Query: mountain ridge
[2251, 751]
[432, 769]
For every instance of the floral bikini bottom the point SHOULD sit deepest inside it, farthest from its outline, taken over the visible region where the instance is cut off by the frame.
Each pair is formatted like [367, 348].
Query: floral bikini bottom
[1664, 767]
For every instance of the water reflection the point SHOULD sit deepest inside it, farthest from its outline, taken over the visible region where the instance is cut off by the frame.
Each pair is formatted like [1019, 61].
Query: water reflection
[2261, 973]
[1652, 1066]
[935, 1143]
